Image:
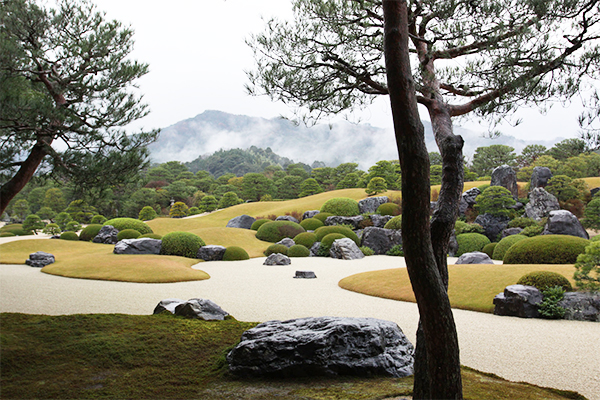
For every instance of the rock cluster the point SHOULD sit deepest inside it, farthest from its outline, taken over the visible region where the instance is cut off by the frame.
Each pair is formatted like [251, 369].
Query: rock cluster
[581, 306]
[370, 204]
[194, 308]
[381, 240]
[138, 246]
[345, 249]
[518, 301]
[40, 259]
[107, 235]
[492, 225]
[338, 220]
[540, 204]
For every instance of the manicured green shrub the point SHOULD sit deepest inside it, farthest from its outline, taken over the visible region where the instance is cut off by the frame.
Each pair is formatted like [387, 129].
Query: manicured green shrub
[69, 235]
[98, 219]
[367, 251]
[129, 223]
[229, 199]
[33, 223]
[89, 232]
[7, 234]
[184, 244]
[376, 185]
[328, 240]
[178, 210]
[489, 249]
[344, 206]
[193, 211]
[326, 230]
[587, 274]
[310, 224]
[16, 229]
[147, 213]
[62, 219]
[208, 204]
[549, 307]
[298, 250]
[73, 226]
[505, 244]
[495, 200]
[389, 209]
[532, 230]
[546, 249]
[522, 222]
[469, 242]
[322, 216]
[394, 223]
[234, 253]
[258, 223]
[544, 280]
[461, 227]
[595, 238]
[128, 234]
[306, 239]
[150, 236]
[276, 248]
[274, 231]
[396, 251]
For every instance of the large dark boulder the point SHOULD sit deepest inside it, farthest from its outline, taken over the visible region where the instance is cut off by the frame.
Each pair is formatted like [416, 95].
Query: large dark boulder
[167, 305]
[475, 257]
[138, 246]
[277, 259]
[511, 231]
[468, 200]
[379, 221]
[345, 249]
[370, 204]
[310, 214]
[518, 301]
[492, 225]
[339, 220]
[40, 259]
[211, 252]
[563, 222]
[581, 306]
[201, 309]
[380, 240]
[242, 221]
[287, 218]
[506, 177]
[107, 235]
[325, 346]
[540, 204]
[540, 177]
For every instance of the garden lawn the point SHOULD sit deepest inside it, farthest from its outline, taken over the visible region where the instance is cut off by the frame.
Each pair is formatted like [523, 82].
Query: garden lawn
[114, 356]
[471, 287]
[86, 260]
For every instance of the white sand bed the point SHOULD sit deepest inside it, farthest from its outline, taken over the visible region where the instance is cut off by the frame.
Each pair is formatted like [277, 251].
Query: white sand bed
[560, 354]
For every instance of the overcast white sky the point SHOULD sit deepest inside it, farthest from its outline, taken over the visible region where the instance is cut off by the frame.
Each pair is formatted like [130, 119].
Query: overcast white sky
[198, 56]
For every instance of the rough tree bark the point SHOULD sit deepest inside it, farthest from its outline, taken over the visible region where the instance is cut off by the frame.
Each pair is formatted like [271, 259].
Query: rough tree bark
[440, 376]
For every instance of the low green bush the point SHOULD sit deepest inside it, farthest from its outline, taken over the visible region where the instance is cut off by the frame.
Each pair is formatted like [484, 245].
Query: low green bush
[328, 241]
[73, 226]
[69, 236]
[129, 223]
[394, 223]
[367, 251]
[322, 216]
[52, 229]
[7, 234]
[396, 251]
[532, 230]
[258, 223]
[150, 236]
[546, 249]
[522, 222]
[469, 242]
[235, 253]
[310, 224]
[595, 238]
[194, 211]
[128, 234]
[544, 280]
[505, 244]
[306, 239]
[325, 230]
[389, 209]
[461, 227]
[298, 250]
[89, 232]
[274, 231]
[343, 206]
[549, 307]
[147, 213]
[16, 230]
[184, 244]
[98, 220]
[489, 249]
[276, 248]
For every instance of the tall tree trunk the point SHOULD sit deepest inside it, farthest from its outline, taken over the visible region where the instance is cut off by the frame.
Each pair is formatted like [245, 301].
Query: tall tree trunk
[443, 378]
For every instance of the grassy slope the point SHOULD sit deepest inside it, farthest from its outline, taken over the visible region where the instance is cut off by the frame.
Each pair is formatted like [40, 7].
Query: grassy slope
[166, 357]
[471, 287]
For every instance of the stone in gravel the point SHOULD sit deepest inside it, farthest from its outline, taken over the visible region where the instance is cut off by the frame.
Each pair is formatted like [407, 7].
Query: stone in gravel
[242, 222]
[475, 257]
[581, 306]
[138, 246]
[314, 249]
[345, 249]
[381, 240]
[107, 235]
[305, 275]
[211, 252]
[370, 204]
[324, 346]
[201, 309]
[540, 204]
[518, 301]
[339, 220]
[506, 177]
[563, 222]
[277, 259]
[287, 242]
[40, 259]
[286, 218]
[167, 305]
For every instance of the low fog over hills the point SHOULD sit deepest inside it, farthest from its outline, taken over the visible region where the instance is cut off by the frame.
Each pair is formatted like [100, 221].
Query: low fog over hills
[332, 144]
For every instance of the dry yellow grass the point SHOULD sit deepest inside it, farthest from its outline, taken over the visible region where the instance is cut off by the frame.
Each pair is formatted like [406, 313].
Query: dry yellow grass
[471, 287]
[96, 261]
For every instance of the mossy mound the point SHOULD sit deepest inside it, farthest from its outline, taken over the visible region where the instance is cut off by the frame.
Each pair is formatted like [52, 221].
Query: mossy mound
[469, 242]
[276, 248]
[128, 234]
[489, 249]
[343, 206]
[394, 223]
[89, 232]
[505, 244]
[150, 236]
[328, 240]
[69, 236]
[310, 224]
[274, 231]
[322, 216]
[235, 253]
[306, 239]
[389, 209]
[546, 249]
[326, 230]
[544, 280]
[184, 244]
[129, 223]
[258, 223]
[298, 250]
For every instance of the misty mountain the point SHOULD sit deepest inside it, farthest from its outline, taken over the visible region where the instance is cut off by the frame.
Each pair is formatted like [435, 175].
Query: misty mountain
[333, 144]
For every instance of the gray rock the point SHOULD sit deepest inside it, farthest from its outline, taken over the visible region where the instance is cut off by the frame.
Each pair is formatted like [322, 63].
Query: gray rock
[518, 301]
[201, 309]
[467, 200]
[475, 257]
[287, 218]
[277, 259]
[211, 252]
[581, 306]
[338, 220]
[540, 204]
[506, 177]
[380, 240]
[305, 275]
[594, 191]
[107, 235]
[492, 225]
[345, 249]
[55, 237]
[310, 214]
[40, 259]
[323, 346]
[511, 231]
[563, 222]
[370, 204]
[138, 246]
[314, 249]
[167, 305]
[242, 221]
[453, 245]
[379, 221]
[540, 177]
[287, 242]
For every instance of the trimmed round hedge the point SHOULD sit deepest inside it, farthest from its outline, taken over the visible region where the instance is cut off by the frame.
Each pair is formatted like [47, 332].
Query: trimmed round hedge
[306, 239]
[274, 231]
[70, 235]
[322, 216]
[298, 250]
[276, 248]
[258, 223]
[326, 230]
[505, 244]
[235, 253]
[183, 244]
[546, 249]
[89, 232]
[128, 234]
[343, 206]
[150, 236]
[388, 209]
[544, 280]
[129, 223]
[329, 239]
[394, 223]
[469, 242]
[310, 224]
[7, 234]
[16, 229]
[489, 249]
